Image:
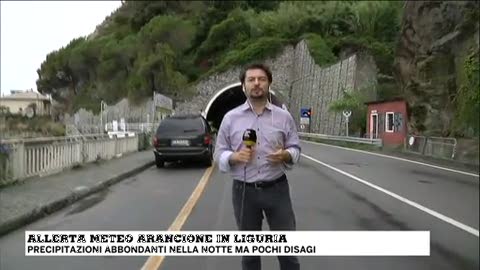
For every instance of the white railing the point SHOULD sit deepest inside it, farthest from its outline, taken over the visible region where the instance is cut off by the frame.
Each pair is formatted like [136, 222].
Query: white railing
[377, 142]
[42, 156]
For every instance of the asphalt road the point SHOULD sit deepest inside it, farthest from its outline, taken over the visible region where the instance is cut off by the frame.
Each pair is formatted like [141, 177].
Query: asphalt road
[358, 192]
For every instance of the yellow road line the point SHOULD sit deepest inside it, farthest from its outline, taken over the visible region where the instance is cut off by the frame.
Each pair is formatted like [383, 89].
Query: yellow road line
[154, 262]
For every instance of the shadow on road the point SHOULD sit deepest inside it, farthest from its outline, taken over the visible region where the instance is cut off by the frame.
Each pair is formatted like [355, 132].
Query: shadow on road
[182, 165]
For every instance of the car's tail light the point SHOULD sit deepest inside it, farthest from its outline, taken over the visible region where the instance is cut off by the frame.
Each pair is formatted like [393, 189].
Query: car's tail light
[207, 139]
[155, 141]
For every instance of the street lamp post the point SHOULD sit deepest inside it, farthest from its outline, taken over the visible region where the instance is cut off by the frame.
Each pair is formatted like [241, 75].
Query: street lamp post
[102, 105]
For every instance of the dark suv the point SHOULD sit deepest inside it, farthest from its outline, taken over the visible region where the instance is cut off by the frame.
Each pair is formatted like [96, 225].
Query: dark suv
[187, 137]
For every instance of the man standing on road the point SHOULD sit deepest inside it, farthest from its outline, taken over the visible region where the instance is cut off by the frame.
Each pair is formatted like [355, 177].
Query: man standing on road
[260, 186]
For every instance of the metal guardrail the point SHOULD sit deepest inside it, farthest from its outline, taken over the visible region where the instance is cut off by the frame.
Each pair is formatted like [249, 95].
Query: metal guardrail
[440, 147]
[377, 142]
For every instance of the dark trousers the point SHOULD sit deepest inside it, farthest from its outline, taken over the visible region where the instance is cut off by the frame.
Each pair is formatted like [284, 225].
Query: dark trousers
[274, 202]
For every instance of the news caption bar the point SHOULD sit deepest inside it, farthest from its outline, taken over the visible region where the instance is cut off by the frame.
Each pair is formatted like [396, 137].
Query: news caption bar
[227, 243]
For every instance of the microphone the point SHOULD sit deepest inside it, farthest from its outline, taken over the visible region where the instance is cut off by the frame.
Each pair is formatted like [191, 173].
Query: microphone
[249, 138]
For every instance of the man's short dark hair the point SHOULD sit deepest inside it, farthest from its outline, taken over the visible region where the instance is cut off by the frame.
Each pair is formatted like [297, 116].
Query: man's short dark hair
[256, 66]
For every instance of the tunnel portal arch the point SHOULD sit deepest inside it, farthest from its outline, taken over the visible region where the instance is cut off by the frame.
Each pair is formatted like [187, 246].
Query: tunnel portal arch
[226, 99]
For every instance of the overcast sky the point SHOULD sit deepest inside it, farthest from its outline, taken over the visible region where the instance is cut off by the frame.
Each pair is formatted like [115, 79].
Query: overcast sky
[32, 29]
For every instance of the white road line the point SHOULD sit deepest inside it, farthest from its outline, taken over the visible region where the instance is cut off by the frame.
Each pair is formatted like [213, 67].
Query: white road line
[397, 158]
[402, 199]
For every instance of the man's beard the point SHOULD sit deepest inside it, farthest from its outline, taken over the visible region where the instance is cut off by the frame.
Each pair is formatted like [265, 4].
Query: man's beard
[260, 97]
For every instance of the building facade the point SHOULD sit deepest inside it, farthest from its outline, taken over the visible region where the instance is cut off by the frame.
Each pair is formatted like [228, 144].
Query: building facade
[387, 120]
[23, 102]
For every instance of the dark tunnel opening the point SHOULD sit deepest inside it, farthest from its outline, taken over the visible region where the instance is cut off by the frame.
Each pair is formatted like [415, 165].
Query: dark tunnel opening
[226, 101]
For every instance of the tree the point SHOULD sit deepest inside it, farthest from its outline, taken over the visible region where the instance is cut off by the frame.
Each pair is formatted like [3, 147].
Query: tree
[163, 46]
[55, 74]
[223, 37]
[353, 101]
[175, 31]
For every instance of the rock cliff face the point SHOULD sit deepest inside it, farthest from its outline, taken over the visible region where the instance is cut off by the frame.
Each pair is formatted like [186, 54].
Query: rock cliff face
[434, 41]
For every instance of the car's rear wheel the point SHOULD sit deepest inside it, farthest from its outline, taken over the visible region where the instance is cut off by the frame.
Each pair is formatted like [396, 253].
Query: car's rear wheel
[209, 159]
[159, 162]
[208, 162]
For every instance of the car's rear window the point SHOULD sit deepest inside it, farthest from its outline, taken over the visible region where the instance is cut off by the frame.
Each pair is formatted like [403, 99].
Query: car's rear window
[181, 126]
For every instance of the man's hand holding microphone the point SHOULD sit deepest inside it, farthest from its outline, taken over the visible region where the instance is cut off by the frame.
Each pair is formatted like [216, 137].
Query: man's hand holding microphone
[243, 156]
[247, 153]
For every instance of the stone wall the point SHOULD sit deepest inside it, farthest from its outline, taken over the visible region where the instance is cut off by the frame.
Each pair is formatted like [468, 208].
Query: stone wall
[300, 83]
[315, 87]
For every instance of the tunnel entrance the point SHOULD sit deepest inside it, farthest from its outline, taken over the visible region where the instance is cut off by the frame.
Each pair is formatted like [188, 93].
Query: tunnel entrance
[227, 99]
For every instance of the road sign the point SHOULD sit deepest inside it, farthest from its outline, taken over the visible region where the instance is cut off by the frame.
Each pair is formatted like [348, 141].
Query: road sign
[306, 112]
[411, 140]
[305, 121]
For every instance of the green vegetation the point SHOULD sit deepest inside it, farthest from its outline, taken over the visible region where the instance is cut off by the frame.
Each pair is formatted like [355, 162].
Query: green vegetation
[468, 98]
[353, 101]
[319, 49]
[167, 46]
[38, 125]
[261, 48]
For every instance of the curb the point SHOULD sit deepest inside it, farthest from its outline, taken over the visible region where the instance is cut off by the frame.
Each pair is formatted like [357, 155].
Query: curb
[51, 207]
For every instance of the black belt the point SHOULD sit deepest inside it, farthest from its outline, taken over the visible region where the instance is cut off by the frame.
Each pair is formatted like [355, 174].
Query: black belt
[264, 184]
